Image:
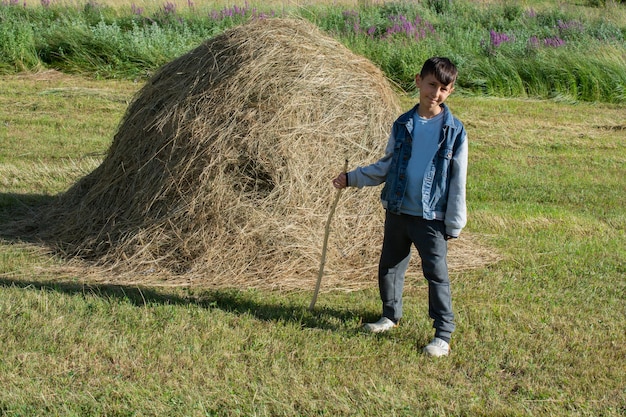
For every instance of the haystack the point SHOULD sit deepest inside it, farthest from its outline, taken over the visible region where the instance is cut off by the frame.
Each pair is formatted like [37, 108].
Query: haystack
[219, 174]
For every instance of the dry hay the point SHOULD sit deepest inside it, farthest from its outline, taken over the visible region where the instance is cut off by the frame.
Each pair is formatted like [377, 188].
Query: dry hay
[219, 174]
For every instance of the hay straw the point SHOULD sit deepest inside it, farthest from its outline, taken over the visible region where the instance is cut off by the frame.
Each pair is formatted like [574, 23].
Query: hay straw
[219, 174]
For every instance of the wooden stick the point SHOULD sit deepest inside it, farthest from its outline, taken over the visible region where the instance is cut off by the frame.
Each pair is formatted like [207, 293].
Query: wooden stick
[325, 245]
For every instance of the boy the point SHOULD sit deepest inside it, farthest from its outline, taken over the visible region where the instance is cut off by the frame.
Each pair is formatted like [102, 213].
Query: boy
[424, 170]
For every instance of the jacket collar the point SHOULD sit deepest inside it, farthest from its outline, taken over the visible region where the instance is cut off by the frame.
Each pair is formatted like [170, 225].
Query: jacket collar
[407, 118]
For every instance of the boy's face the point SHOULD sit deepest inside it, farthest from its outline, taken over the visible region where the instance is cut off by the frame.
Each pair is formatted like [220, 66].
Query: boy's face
[432, 92]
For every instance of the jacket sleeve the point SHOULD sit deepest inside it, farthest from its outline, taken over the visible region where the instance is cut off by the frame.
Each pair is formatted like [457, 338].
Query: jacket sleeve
[376, 173]
[456, 211]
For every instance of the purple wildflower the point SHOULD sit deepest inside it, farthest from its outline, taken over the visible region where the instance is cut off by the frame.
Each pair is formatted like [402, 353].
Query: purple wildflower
[498, 39]
[554, 42]
[169, 8]
[136, 10]
[235, 11]
[533, 41]
[417, 29]
[570, 26]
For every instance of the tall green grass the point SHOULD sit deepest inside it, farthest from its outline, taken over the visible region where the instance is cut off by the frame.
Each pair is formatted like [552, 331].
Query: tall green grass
[508, 50]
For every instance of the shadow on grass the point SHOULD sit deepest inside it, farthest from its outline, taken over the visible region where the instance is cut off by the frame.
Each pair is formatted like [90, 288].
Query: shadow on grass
[17, 214]
[261, 305]
[19, 210]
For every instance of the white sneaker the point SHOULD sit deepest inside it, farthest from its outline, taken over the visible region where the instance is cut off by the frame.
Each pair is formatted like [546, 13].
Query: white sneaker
[437, 348]
[382, 325]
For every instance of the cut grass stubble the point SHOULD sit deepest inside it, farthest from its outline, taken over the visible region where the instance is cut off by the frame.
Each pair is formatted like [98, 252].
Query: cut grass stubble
[540, 332]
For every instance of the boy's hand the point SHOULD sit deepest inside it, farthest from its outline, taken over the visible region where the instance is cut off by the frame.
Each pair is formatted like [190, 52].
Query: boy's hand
[341, 181]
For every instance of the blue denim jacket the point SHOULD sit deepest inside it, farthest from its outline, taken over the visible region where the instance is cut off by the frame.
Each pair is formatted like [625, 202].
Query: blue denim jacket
[443, 189]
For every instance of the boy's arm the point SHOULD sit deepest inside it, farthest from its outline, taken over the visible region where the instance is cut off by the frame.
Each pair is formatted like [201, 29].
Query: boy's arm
[456, 211]
[373, 174]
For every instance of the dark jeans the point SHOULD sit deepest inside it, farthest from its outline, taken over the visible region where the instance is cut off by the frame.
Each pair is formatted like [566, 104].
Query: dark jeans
[402, 231]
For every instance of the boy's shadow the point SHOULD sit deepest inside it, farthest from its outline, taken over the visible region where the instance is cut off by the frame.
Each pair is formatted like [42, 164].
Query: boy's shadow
[16, 208]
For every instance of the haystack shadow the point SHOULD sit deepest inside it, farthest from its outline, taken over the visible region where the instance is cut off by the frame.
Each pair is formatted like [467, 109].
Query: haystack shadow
[18, 213]
[232, 301]
[18, 210]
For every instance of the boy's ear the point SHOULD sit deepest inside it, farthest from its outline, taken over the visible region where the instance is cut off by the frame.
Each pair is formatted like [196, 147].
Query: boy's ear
[417, 79]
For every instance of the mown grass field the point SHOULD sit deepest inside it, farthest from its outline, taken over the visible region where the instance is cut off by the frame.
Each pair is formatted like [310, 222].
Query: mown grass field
[539, 333]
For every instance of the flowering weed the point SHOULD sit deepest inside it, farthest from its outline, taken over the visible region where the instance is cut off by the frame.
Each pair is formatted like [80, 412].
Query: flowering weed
[397, 36]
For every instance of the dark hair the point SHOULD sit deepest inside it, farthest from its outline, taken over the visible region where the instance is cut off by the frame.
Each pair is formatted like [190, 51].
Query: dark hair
[442, 68]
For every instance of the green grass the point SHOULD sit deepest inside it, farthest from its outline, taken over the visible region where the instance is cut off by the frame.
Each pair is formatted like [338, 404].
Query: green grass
[539, 333]
[539, 49]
